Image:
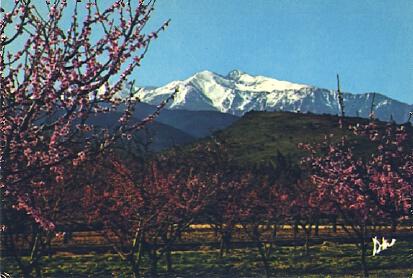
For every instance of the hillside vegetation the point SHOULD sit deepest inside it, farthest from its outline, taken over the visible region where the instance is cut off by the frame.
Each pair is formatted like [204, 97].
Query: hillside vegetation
[259, 136]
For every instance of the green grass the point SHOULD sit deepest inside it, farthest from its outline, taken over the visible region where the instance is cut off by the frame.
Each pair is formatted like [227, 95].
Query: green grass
[324, 260]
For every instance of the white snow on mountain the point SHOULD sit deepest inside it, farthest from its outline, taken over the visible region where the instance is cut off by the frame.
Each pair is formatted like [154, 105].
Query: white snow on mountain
[239, 92]
[246, 82]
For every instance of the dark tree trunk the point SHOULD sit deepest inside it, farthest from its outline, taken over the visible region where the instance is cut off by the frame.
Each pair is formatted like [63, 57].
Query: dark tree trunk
[363, 250]
[295, 232]
[153, 256]
[135, 269]
[334, 224]
[136, 262]
[261, 249]
[168, 260]
[225, 243]
[217, 228]
[27, 271]
[393, 227]
[35, 255]
[264, 259]
[307, 238]
[363, 260]
[273, 237]
[38, 271]
[135, 257]
[221, 247]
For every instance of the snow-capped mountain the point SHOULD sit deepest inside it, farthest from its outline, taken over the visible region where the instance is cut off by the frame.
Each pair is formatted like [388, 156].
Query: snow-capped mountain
[239, 92]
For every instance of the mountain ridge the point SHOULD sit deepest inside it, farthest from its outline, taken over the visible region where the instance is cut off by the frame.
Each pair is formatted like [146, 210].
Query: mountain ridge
[258, 137]
[238, 92]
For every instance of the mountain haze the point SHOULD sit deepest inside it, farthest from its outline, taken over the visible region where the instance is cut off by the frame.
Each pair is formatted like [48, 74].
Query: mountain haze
[198, 124]
[161, 136]
[171, 127]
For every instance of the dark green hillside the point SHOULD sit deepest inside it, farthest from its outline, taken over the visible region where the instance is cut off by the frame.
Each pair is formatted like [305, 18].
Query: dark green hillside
[258, 136]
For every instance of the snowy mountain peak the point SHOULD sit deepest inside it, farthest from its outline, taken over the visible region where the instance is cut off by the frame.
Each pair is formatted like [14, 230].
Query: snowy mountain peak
[238, 92]
[206, 74]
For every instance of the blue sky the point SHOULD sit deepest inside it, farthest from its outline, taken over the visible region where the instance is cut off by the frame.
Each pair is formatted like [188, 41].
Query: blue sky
[369, 43]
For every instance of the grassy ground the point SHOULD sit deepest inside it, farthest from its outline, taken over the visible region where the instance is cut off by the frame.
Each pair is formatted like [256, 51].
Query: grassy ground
[324, 260]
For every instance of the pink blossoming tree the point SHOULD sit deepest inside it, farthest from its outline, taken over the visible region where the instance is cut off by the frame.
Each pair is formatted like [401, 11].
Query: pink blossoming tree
[365, 189]
[144, 210]
[51, 83]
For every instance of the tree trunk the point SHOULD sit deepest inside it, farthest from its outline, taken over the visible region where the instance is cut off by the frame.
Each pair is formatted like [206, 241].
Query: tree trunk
[154, 264]
[264, 259]
[167, 249]
[27, 271]
[136, 262]
[168, 260]
[307, 232]
[335, 224]
[38, 271]
[137, 248]
[261, 250]
[307, 238]
[221, 247]
[135, 269]
[227, 241]
[10, 244]
[34, 256]
[217, 228]
[363, 251]
[225, 244]
[140, 252]
[363, 260]
[273, 238]
[295, 231]
[317, 223]
[393, 227]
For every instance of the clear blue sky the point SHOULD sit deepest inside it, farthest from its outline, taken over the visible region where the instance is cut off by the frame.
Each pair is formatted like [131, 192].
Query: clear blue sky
[369, 43]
